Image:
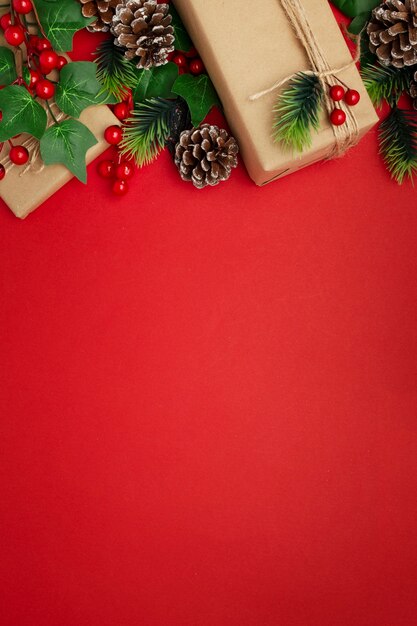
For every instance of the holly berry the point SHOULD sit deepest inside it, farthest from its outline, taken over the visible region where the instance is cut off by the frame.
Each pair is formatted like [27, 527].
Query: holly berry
[337, 117]
[124, 171]
[121, 111]
[6, 21]
[180, 60]
[14, 35]
[337, 93]
[120, 187]
[352, 97]
[22, 6]
[35, 76]
[113, 135]
[62, 61]
[106, 168]
[192, 53]
[48, 61]
[2, 171]
[196, 67]
[43, 44]
[45, 89]
[19, 155]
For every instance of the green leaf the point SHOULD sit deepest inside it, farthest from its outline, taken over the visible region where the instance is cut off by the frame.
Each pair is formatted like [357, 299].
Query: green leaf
[297, 112]
[78, 88]
[358, 23]
[182, 38]
[199, 94]
[60, 20]
[21, 113]
[398, 143]
[156, 82]
[8, 72]
[386, 83]
[116, 73]
[67, 143]
[353, 8]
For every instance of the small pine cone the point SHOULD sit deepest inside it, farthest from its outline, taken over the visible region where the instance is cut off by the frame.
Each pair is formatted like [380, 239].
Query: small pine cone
[143, 28]
[206, 155]
[413, 91]
[392, 32]
[102, 9]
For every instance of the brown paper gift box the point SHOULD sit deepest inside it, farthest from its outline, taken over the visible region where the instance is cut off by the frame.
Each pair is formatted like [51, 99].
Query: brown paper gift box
[247, 47]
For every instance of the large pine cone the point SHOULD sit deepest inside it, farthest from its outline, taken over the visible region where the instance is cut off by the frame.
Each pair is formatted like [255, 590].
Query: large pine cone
[102, 9]
[143, 28]
[206, 155]
[393, 32]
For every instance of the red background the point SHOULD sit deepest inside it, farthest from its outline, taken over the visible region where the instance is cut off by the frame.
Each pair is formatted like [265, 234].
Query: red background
[209, 402]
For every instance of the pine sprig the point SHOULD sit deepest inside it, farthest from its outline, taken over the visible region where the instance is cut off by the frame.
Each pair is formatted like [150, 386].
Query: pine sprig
[147, 130]
[398, 144]
[297, 112]
[385, 83]
[114, 71]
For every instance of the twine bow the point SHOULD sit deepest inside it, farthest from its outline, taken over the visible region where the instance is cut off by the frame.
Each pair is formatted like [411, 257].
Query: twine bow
[347, 135]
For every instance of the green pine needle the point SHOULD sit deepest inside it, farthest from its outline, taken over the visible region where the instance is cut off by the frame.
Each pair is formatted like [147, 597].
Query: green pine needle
[385, 83]
[116, 73]
[145, 133]
[297, 112]
[398, 144]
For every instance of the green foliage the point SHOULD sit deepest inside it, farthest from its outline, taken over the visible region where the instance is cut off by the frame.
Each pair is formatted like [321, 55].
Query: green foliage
[116, 73]
[145, 133]
[60, 20]
[182, 39]
[7, 66]
[199, 94]
[67, 143]
[385, 83]
[353, 8]
[156, 82]
[297, 112]
[78, 88]
[398, 143]
[21, 113]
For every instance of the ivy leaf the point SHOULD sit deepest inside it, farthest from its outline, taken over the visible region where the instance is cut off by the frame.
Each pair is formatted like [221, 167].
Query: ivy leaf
[60, 20]
[21, 113]
[353, 8]
[199, 93]
[358, 23]
[67, 143]
[156, 82]
[78, 88]
[182, 38]
[8, 72]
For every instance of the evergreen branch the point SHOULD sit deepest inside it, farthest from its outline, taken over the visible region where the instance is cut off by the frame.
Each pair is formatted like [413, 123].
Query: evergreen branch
[116, 73]
[147, 130]
[398, 143]
[385, 83]
[297, 112]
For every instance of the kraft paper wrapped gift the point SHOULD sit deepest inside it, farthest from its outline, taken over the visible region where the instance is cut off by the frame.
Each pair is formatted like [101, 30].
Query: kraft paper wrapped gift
[246, 48]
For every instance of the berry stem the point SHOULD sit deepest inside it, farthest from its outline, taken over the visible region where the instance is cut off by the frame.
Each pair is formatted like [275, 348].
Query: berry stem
[51, 112]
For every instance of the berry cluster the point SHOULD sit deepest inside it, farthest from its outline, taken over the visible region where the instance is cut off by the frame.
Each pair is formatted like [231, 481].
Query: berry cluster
[338, 93]
[188, 62]
[118, 170]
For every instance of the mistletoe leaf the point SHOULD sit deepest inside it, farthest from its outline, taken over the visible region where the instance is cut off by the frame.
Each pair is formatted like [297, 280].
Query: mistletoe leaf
[60, 20]
[78, 88]
[182, 38]
[21, 113]
[8, 72]
[353, 8]
[199, 94]
[156, 82]
[67, 143]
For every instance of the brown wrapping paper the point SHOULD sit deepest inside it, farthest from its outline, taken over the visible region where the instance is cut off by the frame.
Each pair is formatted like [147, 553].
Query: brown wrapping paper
[246, 48]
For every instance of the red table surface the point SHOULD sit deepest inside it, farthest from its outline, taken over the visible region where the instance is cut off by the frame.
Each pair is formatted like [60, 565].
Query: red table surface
[209, 402]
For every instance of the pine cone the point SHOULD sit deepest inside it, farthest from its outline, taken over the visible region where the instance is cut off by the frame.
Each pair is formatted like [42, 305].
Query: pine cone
[103, 9]
[143, 28]
[392, 32]
[413, 91]
[206, 155]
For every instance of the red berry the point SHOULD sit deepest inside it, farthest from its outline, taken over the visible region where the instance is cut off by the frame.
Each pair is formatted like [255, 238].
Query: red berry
[352, 97]
[45, 89]
[22, 6]
[124, 171]
[337, 92]
[6, 21]
[43, 44]
[19, 155]
[62, 62]
[34, 78]
[48, 60]
[120, 187]
[113, 135]
[192, 53]
[337, 117]
[121, 111]
[33, 41]
[14, 35]
[180, 60]
[196, 67]
[2, 171]
[106, 168]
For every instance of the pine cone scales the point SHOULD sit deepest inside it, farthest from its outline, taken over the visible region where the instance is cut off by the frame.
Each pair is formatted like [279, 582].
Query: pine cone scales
[102, 9]
[143, 28]
[393, 32]
[206, 155]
